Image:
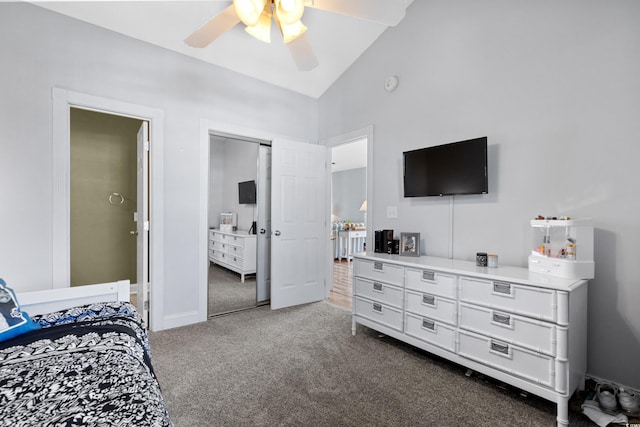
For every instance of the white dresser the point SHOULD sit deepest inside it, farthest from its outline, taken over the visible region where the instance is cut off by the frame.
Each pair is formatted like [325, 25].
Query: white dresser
[524, 328]
[235, 250]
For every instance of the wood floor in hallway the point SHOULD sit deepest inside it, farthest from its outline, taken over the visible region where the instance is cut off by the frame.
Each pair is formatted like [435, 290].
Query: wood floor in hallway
[342, 287]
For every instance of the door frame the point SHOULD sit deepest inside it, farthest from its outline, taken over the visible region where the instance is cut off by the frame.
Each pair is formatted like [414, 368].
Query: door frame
[63, 101]
[206, 128]
[366, 132]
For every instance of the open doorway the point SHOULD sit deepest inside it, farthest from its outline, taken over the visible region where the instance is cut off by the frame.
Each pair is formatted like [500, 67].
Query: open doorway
[238, 257]
[348, 214]
[149, 239]
[103, 197]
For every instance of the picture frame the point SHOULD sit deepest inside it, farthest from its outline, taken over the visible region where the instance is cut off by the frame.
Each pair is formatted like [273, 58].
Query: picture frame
[410, 244]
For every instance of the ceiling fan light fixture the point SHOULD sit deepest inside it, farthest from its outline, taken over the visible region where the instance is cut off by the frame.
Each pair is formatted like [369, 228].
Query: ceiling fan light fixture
[262, 29]
[249, 11]
[289, 11]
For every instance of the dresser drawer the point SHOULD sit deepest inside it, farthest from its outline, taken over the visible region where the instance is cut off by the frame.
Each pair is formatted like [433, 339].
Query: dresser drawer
[431, 282]
[217, 236]
[216, 245]
[515, 360]
[234, 240]
[431, 306]
[234, 250]
[217, 256]
[378, 312]
[234, 260]
[430, 331]
[511, 328]
[379, 270]
[378, 291]
[539, 303]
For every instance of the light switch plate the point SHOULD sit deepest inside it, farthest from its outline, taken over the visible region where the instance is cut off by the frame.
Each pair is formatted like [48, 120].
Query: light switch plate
[392, 212]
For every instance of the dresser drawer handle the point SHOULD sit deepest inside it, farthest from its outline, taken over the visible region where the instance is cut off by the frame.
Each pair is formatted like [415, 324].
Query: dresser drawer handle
[502, 288]
[377, 307]
[428, 324]
[505, 319]
[500, 348]
[428, 299]
[377, 265]
[428, 275]
[377, 286]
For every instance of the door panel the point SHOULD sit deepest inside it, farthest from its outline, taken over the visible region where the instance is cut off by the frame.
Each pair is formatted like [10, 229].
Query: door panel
[263, 276]
[297, 214]
[142, 219]
[103, 197]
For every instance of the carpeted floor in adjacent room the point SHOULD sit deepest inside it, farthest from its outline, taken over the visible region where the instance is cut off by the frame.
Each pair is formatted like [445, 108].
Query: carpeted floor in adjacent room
[301, 366]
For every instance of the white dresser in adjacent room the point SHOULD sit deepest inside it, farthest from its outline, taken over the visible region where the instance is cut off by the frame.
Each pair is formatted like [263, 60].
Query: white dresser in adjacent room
[234, 250]
[521, 327]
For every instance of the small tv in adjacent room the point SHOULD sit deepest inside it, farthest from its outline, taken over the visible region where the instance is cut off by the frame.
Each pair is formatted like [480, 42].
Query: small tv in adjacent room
[247, 193]
[448, 169]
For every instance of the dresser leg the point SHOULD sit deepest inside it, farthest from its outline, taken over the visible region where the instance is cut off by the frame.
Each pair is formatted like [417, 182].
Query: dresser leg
[563, 411]
[353, 327]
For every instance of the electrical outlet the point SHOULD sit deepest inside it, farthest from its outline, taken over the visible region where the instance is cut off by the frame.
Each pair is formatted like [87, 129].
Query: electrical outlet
[392, 212]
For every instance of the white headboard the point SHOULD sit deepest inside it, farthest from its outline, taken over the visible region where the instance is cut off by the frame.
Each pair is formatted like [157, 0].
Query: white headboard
[42, 302]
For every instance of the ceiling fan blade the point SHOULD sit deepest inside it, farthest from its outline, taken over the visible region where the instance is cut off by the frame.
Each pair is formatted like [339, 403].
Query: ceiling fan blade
[213, 28]
[302, 53]
[387, 12]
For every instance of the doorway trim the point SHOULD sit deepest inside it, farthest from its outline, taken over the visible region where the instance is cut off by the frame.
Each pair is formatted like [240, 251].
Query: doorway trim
[63, 101]
[207, 127]
[365, 132]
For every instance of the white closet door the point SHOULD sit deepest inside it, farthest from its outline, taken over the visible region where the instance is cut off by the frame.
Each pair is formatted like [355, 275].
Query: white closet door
[298, 241]
[263, 276]
[142, 226]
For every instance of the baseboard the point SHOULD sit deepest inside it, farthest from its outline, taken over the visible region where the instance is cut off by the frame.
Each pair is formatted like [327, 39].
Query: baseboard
[180, 319]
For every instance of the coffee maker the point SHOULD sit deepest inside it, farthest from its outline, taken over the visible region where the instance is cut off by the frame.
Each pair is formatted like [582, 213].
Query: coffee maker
[382, 239]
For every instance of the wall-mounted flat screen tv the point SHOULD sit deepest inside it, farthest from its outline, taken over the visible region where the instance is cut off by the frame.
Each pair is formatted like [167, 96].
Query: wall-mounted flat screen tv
[455, 168]
[247, 192]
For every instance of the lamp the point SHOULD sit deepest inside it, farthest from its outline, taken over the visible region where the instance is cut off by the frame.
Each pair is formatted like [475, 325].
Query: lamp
[363, 208]
[257, 14]
[262, 29]
[291, 32]
[249, 11]
[289, 11]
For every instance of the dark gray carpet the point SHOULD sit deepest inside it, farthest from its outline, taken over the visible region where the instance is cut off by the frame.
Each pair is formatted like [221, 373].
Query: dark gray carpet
[302, 367]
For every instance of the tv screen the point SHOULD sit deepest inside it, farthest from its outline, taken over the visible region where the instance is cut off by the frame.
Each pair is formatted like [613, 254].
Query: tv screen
[247, 192]
[455, 168]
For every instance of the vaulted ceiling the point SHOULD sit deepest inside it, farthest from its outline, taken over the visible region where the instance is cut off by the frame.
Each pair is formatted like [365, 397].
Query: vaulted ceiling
[337, 40]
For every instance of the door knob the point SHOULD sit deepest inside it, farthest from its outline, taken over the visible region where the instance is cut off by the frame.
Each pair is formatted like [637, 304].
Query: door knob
[277, 232]
[262, 231]
[133, 232]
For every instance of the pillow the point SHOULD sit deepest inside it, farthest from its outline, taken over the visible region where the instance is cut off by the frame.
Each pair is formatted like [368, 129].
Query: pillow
[13, 322]
[93, 311]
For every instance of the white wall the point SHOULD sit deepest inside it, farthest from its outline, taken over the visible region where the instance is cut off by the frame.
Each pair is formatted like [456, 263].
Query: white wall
[216, 180]
[349, 190]
[241, 164]
[42, 50]
[555, 87]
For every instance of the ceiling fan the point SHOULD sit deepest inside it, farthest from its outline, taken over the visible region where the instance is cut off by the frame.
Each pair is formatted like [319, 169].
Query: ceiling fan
[258, 14]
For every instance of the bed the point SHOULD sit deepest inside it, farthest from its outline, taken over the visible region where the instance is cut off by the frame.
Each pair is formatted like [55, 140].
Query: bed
[84, 360]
